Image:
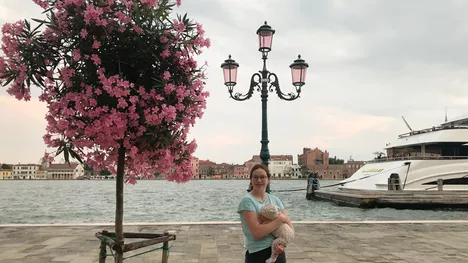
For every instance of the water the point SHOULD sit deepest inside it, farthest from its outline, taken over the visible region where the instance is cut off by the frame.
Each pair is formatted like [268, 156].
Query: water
[38, 202]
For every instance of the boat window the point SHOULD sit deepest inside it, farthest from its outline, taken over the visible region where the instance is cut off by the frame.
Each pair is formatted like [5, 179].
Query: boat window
[454, 181]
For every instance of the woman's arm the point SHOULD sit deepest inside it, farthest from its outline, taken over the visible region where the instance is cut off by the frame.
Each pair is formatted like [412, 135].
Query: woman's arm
[261, 230]
[288, 221]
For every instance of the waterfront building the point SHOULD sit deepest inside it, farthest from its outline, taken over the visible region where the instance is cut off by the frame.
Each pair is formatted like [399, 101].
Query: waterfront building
[277, 165]
[65, 171]
[240, 171]
[310, 157]
[25, 171]
[195, 166]
[206, 169]
[224, 170]
[293, 171]
[6, 174]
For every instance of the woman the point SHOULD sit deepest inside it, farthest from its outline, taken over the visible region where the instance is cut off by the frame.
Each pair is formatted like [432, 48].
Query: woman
[258, 240]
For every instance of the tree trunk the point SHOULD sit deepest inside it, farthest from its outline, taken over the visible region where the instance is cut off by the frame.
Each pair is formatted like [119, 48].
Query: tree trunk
[119, 205]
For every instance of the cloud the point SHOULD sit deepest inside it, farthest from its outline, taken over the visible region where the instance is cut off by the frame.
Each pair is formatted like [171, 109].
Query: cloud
[371, 62]
[23, 126]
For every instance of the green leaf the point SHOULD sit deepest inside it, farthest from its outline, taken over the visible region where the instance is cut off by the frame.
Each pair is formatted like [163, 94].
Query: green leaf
[66, 154]
[33, 80]
[53, 27]
[60, 150]
[75, 156]
[9, 80]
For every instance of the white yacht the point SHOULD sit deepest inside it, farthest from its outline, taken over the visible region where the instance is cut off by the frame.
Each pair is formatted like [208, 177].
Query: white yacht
[420, 158]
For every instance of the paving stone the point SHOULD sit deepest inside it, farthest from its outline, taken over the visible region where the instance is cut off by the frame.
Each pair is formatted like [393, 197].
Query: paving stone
[325, 243]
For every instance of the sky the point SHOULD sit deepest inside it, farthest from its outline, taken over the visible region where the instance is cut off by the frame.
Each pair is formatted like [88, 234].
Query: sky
[370, 62]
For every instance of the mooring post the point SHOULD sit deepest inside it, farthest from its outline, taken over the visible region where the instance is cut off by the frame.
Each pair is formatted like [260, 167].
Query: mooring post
[440, 184]
[309, 189]
[312, 185]
[165, 252]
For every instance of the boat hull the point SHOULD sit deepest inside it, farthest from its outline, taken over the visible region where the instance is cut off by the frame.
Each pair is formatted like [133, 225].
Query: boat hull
[415, 175]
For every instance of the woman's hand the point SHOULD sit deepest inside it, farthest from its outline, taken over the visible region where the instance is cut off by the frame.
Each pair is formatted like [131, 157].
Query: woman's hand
[284, 218]
[278, 249]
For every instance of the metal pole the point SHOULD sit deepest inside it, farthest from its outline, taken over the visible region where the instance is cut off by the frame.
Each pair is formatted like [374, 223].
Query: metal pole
[264, 151]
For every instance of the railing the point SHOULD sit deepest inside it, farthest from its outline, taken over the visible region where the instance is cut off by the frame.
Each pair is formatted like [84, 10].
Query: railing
[385, 159]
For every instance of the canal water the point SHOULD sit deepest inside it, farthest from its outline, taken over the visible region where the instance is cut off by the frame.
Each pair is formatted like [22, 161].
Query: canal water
[40, 202]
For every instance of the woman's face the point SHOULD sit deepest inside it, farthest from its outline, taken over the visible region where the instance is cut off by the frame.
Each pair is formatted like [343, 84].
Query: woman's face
[259, 179]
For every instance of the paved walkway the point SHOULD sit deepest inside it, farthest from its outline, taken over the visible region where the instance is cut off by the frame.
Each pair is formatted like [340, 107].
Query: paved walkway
[207, 243]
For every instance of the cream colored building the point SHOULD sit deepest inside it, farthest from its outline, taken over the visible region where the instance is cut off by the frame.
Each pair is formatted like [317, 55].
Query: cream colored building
[25, 171]
[278, 164]
[5, 174]
[293, 171]
[65, 171]
[41, 175]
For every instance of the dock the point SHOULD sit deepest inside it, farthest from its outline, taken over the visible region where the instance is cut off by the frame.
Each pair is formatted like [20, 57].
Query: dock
[211, 242]
[395, 199]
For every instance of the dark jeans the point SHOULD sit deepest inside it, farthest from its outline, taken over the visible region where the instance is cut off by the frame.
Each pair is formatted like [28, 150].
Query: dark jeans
[262, 255]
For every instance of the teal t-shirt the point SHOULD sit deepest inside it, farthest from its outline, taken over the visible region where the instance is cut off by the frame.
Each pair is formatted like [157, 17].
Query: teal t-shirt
[249, 203]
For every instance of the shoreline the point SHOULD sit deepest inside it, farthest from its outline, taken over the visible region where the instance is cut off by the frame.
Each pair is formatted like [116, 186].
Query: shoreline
[238, 223]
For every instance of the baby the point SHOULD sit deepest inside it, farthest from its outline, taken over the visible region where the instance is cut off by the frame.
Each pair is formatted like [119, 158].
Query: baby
[283, 233]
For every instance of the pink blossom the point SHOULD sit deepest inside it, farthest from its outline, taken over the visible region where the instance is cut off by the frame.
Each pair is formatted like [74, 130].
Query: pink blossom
[96, 44]
[92, 14]
[76, 55]
[167, 75]
[150, 3]
[96, 59]
[83, 33]
[137, 29]
[166, 53]
[179, 26]
[44, 4]
[65, 74]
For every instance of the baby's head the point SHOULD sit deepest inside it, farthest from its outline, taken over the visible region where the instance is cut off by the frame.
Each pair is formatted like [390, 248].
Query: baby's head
[269, 211]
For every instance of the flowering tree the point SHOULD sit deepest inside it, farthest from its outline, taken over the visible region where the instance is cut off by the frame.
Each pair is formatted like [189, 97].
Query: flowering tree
[120, 82]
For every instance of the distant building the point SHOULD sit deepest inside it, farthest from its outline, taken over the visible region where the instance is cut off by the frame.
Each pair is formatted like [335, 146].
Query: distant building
[293, 171]
[224, 170]
[351, 166]
[6, 174]
[277, 165]
[65, 171]
[240, 171]
[195, 166]
[252, 162]
[25, 171]
[310, 158]
[318, 161]
[206, 168]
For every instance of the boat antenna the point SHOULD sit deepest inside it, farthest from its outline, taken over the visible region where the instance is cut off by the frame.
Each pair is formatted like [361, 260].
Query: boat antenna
[446, 114]
[407, 125]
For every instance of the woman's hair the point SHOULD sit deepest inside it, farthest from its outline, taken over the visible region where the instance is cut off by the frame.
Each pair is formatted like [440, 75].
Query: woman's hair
[260, 166]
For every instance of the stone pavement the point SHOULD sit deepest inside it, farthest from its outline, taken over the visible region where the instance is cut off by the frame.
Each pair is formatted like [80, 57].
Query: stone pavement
[439, 242]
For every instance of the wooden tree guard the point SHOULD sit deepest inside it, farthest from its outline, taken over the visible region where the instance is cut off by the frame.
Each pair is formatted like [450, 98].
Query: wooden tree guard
[108, 240]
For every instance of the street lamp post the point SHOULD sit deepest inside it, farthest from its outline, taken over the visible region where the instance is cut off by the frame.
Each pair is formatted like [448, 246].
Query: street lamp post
[264, 82]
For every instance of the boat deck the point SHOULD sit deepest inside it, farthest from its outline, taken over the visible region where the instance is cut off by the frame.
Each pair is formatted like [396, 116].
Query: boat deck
[395, 199]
